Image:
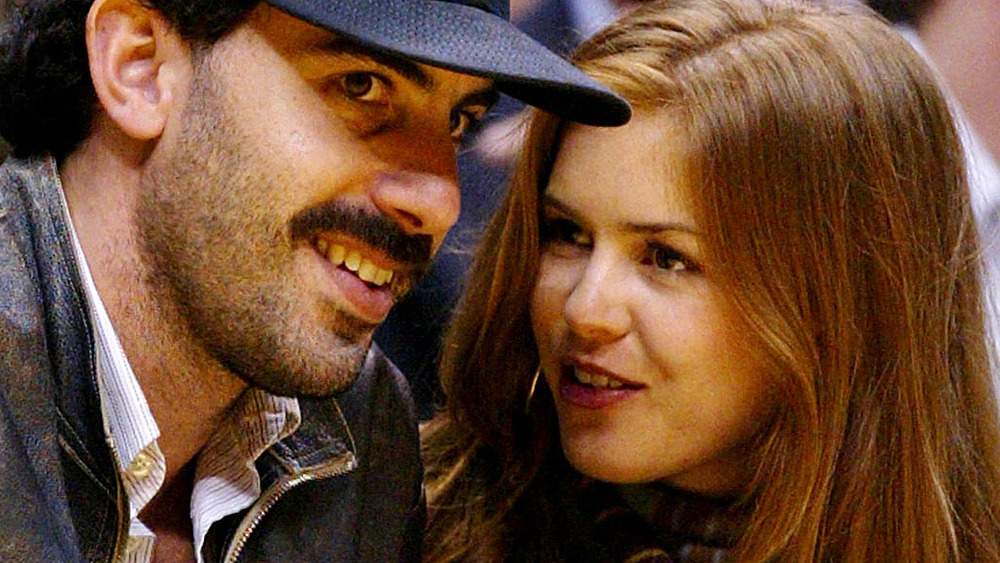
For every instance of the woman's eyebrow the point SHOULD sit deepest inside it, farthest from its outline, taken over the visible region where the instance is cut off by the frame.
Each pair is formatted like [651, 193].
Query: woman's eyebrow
[654, 228]
[645, 228]
[548, 200]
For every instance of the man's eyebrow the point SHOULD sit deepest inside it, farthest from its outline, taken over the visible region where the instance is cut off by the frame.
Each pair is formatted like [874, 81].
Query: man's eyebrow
[339, 46]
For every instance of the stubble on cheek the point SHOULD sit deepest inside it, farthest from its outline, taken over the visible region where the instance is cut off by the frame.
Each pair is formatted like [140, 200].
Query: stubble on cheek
[220, 262]
[237, 292]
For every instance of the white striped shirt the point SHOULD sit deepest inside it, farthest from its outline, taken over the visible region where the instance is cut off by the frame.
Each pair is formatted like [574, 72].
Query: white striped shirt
[226, 480]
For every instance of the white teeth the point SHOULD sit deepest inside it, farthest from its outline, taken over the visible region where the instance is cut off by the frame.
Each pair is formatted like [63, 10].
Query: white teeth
[367, 271]
[337, 254]
[380, 277]
[363, 267]
[595, 380]
[353, 260]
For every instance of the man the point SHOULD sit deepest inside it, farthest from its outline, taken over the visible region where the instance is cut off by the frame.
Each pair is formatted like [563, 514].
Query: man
[210, 209]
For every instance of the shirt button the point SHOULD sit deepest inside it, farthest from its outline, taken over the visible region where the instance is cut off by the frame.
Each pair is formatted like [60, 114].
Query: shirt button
[132, 544]
[141, 465]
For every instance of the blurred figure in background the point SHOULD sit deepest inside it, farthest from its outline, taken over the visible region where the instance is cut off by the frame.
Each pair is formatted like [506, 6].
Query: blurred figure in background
[961, 39]
[4, 147]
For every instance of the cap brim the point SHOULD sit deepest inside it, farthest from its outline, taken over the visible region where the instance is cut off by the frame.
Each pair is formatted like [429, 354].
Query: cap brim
[473, 41]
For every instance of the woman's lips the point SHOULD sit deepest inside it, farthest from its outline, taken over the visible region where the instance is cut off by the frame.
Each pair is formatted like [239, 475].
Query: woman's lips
[588, 386]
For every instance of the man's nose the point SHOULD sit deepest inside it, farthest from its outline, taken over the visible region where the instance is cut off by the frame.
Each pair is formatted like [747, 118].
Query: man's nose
[419, 187]
[420, 202]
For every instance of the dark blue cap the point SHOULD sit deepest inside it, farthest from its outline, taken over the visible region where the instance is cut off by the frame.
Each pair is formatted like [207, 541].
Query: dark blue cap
[473, 37]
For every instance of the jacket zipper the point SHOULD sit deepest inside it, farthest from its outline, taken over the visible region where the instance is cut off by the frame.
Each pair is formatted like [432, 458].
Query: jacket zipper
[345, 464]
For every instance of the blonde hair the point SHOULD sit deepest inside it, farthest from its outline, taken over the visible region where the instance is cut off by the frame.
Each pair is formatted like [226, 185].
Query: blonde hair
[828, 175]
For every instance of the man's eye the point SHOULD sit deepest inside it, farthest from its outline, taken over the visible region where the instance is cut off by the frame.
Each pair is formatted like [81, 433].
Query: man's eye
[464, 122]
[363, 86]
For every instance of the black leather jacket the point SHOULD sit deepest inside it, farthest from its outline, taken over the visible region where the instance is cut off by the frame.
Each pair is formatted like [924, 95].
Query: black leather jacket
[346, 486]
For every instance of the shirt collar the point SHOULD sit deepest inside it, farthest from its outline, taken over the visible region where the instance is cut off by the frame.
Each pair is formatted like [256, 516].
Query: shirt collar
[128, 423]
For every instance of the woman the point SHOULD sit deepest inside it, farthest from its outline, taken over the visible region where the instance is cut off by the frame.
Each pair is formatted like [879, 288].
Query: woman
[747, 326]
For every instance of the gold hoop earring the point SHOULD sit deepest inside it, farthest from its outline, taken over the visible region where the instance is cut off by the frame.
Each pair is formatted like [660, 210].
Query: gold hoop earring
[531, 390]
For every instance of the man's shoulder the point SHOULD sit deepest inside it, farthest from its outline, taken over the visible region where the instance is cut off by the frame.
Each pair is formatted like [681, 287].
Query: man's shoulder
[392, 508]
[379, 398]
[19, 179]
[44, 337]
[13, 211]
[389, 376]
[34, 517]
[374, 510]
[18, 175]
[20, 293]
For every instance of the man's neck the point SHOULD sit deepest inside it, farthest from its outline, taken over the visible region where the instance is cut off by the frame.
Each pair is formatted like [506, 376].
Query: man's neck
[168, 516]
[187, 391]
[961, 38]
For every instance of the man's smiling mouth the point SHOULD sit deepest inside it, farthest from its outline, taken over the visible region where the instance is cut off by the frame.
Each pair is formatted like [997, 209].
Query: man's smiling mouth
[354, 261]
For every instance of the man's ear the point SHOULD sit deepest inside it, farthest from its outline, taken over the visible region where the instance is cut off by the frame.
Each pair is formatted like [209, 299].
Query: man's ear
[137, 61]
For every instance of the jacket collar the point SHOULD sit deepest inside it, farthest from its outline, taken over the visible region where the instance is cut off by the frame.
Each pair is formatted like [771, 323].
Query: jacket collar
[51, 377]
[66, 321]
[324, 435]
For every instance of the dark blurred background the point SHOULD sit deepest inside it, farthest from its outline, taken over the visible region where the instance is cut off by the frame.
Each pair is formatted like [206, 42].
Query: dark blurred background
[3, 16]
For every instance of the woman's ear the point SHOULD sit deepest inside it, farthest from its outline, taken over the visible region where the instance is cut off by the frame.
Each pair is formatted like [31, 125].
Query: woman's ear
[135, 56]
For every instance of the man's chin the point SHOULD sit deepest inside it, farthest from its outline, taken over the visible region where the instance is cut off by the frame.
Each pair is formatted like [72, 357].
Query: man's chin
[306, 375]
[317, 390]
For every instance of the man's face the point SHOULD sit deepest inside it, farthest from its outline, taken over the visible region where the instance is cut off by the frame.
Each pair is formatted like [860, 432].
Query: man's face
[300, 188]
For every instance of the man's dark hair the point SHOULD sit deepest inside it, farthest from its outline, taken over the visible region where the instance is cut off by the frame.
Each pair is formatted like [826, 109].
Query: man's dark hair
[900, 11]
[47, 99]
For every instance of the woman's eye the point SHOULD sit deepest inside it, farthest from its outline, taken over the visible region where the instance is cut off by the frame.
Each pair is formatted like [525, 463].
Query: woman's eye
[363, 86]
[566, 232]
[668, 259]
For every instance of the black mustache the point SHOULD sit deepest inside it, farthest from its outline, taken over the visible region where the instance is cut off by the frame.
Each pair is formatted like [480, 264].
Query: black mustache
[374, 229]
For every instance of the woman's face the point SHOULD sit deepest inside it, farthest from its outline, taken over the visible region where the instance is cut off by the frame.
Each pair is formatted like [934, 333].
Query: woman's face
[653, 377]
